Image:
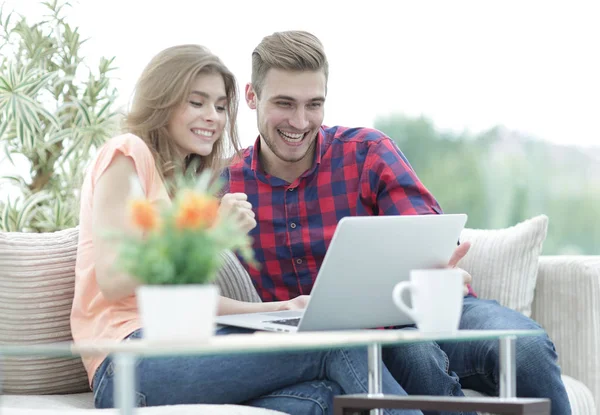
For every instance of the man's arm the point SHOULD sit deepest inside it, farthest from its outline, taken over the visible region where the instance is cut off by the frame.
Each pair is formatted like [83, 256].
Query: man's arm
[395, 189]
[391, 184]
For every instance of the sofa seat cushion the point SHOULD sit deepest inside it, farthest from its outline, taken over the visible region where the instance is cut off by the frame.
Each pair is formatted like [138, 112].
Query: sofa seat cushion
[156, 410]
[83, 403]
[67, 401]
[580, 397]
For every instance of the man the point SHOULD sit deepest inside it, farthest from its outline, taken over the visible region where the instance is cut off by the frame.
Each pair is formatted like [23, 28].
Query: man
[302, 177]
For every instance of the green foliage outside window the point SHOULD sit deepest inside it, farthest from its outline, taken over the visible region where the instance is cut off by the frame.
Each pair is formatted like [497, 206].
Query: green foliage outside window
[500, 178]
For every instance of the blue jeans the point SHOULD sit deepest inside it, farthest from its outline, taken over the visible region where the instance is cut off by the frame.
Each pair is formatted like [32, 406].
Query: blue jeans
[310, 398]
[292, 382]
[444, 369]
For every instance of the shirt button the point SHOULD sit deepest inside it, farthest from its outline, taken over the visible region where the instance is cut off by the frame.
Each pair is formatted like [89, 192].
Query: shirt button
[291, 189]
[293, 225]
[298, 261]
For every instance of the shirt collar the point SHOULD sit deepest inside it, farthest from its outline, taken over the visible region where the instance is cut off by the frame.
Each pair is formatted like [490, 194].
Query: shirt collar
[255, 163]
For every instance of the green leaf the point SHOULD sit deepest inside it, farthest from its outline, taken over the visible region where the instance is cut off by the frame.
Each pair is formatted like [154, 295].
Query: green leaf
[6, 23]
[16, 180]
[3, 127]
[37, 108]
[27, 115]
[34, 86]
[6, 221]
[104, 108]
[105, 65]
[8, 155]
[4, 84]
[77, 143]
[83, 110]
[26, 210]
[58, 136]
[60, 213]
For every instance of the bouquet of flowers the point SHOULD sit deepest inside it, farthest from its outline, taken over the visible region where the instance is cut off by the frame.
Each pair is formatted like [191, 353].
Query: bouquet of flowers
[181, 242]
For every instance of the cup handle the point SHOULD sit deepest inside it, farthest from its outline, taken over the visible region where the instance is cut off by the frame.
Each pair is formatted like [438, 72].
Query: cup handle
[397, 297]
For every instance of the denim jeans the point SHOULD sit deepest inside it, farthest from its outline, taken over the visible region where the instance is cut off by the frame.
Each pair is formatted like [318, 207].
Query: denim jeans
[310, 398]
[292, 382]
[444, 369]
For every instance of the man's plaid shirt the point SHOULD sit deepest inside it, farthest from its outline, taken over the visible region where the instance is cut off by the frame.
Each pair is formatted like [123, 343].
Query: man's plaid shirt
[355, 172]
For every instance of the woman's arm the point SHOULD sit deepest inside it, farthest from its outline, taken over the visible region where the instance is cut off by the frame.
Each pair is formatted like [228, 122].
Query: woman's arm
[111, 195]
[109, 213]
[229, 306]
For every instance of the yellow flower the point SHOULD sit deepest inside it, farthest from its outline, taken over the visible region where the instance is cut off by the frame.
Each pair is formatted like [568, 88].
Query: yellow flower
[143, 214]
[196, 211]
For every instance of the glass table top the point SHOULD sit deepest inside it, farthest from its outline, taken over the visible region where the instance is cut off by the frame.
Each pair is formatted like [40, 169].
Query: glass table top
[255, 343]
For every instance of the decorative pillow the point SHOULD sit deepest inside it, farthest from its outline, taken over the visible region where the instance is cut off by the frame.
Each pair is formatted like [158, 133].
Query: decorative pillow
[233, 280]
[37, 274]
[37, 277]
[504, 262]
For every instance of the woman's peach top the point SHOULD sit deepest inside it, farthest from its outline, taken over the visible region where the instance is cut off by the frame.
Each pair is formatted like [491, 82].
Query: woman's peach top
[93, 317]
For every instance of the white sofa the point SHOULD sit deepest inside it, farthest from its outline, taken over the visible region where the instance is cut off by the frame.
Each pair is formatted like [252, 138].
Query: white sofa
[567, 305]
[36, 273]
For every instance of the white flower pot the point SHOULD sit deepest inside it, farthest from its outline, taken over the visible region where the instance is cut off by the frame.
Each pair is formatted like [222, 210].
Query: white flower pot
[177, 312]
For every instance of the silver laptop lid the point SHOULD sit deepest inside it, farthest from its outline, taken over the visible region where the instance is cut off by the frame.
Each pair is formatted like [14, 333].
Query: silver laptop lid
[367, 257]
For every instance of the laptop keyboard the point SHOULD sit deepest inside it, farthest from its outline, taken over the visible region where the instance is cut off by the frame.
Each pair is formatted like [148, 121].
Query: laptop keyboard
[287, 321]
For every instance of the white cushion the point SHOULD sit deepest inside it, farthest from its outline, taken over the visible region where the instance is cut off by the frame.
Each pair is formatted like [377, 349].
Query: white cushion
[83, 403]
[37, 273]
[156, 410]
[580, 397]
[504, 262]
[68, 401]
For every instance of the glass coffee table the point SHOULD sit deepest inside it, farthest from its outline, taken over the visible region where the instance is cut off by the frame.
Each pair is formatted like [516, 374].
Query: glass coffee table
[125, 354]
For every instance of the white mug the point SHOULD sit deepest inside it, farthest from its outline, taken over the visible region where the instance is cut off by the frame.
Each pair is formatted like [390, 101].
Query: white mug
[437, 299]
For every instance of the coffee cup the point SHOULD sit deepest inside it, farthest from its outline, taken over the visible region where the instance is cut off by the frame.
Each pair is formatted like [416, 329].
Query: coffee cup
[436, 297]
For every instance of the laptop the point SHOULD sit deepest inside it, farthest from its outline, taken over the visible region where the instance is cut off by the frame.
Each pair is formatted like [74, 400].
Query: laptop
[367, 257]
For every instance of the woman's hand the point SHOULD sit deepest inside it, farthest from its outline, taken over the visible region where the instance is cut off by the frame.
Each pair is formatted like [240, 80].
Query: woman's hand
[298, 303]
[229, 306]
[237, 205]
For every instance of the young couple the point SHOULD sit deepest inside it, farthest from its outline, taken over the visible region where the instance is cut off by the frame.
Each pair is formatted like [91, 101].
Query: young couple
[300, 172]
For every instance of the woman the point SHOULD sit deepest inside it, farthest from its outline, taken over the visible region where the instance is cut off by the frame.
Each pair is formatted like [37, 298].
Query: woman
[184, 111]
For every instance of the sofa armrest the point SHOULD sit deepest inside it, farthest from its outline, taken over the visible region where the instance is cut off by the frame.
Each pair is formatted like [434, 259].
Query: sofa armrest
[567, 305]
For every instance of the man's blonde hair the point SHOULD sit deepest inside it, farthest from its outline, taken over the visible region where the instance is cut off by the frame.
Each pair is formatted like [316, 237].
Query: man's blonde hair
[290, 51]
[164, 85]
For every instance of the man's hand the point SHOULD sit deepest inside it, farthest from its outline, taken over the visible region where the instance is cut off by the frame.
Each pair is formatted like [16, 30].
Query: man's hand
[467, 279]
[298, 303]
[237, 205]
[459, 254]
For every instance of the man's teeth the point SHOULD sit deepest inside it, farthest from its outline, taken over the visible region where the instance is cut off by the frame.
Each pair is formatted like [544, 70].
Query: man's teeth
[203, 132]
[291, 137]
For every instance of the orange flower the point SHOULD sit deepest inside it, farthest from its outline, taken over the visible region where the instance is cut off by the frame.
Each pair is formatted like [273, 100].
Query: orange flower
[196, 211]
[143, 214]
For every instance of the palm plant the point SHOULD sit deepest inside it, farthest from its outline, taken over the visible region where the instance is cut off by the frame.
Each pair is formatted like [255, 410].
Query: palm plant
[54, 112]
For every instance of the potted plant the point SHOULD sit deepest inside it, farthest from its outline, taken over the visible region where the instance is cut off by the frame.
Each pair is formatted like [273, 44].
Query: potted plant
[55, 111]
[176, 259]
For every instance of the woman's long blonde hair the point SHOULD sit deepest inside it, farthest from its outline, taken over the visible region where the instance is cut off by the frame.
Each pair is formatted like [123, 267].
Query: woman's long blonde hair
[163, 86]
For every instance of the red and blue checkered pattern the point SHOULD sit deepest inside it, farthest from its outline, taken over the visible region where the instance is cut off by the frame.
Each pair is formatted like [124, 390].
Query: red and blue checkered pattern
[356, 172]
